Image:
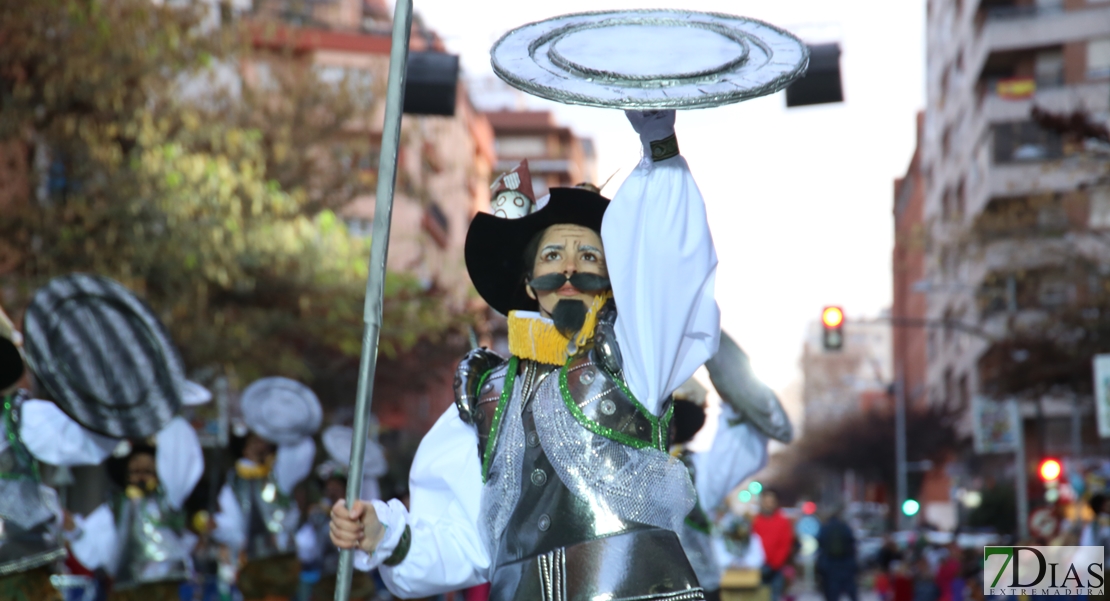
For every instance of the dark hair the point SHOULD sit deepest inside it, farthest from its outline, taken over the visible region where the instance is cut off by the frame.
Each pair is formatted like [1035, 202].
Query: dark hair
[530, 251]
[1097, 502]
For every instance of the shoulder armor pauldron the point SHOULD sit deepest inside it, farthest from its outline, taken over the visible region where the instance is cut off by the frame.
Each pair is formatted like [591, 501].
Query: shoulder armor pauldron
[478, 382]
[605, 341]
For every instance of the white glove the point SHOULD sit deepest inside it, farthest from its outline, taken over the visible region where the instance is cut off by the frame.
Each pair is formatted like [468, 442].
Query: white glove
[653, 126]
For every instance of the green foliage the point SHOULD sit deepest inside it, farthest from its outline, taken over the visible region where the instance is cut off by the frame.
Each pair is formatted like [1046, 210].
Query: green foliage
[216, 207]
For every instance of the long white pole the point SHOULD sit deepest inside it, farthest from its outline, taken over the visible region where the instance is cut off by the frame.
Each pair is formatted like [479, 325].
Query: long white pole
[375, 283]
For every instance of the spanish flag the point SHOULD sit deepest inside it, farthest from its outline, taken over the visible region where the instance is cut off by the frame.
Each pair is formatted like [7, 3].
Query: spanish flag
[1016, 88]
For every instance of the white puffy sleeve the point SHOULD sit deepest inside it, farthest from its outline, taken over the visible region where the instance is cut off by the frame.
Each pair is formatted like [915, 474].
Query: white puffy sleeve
[737, 452]
[179, 460]
[662, 266]
[445, 489]
[293, 464]
[54, 438]
[231, 528]
[95, 541]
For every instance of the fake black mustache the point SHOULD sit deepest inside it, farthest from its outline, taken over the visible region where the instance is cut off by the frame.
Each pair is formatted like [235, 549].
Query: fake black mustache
[584, 282]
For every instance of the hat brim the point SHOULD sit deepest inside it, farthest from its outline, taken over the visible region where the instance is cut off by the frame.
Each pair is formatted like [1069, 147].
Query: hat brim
[103, 355]
[495, 246]
[281, 410]
[11, 364]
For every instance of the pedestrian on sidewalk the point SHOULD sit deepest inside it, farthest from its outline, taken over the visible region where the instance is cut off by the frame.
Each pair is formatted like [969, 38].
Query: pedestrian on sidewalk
[836, 559]
[777, 534]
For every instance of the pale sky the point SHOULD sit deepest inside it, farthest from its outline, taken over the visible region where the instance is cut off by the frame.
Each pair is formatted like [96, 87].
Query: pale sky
[799, 200]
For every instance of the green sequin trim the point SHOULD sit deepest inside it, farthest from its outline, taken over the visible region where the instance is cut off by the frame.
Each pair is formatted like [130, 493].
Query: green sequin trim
[657, 438]
[696, 526]
[506, 394]
[402, 549]
[17, 446]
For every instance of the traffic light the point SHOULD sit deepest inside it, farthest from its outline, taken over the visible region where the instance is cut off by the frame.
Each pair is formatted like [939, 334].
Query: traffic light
[832, 320]
[1050, 470]
[910, 507]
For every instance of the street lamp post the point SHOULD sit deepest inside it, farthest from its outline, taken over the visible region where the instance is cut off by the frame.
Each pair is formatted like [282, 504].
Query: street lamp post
[901, 482]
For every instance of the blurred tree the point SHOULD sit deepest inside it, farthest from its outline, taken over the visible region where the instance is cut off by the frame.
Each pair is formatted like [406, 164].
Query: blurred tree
[863, 442]
[157, 163]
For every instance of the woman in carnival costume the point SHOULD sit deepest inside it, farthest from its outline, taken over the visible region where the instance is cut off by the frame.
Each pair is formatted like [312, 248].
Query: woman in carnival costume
[551, 478]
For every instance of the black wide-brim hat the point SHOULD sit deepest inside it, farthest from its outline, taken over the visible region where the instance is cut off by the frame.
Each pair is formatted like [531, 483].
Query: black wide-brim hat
[103, 356]
[11, 360]
[495, 245]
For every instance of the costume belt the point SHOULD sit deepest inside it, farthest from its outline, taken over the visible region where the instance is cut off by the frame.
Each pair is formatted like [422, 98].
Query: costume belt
[645, 565]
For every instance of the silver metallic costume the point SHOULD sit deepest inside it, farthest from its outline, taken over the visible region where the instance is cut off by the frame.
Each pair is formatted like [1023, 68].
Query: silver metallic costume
[270, 516]
[151, 547]
[696, 537]
[30, 536]
[582, 501]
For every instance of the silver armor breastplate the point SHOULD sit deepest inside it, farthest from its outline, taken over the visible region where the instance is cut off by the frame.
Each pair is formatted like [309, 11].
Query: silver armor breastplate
[580, 538]
[151, 548]
[697, 539]
[29, 535]
[266, 511]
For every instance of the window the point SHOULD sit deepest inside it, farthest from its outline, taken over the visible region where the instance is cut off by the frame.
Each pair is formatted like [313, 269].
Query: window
[1020, 141]
[1055, 293]
[1098, 58]
[1048, 68]
[436, 224]
[521, 146]
[1100, 208]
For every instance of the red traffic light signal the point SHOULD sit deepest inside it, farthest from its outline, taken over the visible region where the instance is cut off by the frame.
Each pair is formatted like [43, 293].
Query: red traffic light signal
[1050, 470]
[832, 320]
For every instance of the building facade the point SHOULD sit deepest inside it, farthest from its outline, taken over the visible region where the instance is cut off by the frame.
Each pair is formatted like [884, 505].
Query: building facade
[556, 156]
[909, 309]
[1014, 206]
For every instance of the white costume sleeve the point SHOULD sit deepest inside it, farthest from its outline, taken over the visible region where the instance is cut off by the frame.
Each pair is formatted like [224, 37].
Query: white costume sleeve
[178, 460]
[54, 438]
[230, 526]
[445, 488]
[662, 266]
[95, 544]
[736, 453]
[308, 548]
[293, 464]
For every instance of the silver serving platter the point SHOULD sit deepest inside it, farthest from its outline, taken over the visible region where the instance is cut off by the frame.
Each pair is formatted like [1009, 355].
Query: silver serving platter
[649, 59]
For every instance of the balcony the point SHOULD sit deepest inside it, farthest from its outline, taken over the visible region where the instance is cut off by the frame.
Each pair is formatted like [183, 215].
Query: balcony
[1055, 99]
[1009, 27]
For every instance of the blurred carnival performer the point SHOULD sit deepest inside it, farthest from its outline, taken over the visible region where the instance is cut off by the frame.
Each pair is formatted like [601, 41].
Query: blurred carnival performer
[111, 372]
[610, 308]
[737, 547]
[750, 414]
[31, 546]
[257, 517]
[314, 547]
[140, 536]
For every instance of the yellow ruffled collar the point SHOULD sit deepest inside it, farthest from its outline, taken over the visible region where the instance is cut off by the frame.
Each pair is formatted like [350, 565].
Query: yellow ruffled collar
[534, 337]
[249, 470]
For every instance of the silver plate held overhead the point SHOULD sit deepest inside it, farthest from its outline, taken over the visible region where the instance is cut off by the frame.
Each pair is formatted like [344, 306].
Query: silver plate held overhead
[649, 59]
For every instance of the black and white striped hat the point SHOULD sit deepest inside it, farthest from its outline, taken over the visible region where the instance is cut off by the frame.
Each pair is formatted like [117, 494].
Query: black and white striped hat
[104, 356]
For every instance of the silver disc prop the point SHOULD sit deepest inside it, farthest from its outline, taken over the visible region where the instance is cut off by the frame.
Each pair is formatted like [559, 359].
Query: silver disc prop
[649, 59]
